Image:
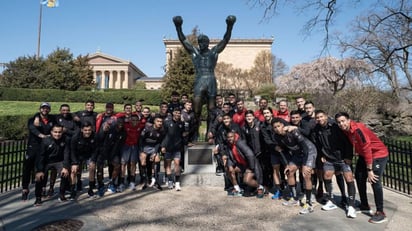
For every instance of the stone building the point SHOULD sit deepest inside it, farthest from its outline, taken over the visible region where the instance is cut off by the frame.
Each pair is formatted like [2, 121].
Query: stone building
[113, 73]
[241, 53]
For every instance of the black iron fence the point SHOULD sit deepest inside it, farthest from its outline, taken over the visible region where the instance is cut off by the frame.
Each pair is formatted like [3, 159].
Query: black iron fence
[12, 154]
[397, 176]
[398, 172]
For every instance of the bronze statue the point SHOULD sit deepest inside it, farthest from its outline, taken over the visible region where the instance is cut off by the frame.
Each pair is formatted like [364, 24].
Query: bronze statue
[204, 61]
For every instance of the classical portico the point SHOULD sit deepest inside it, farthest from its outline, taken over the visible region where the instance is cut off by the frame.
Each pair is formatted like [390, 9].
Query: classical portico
[113, 73]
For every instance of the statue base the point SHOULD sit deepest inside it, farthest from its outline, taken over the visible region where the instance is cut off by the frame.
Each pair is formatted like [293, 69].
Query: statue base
[199, 158]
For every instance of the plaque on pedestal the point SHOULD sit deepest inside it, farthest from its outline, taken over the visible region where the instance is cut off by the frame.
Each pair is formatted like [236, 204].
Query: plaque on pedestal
[199, 159]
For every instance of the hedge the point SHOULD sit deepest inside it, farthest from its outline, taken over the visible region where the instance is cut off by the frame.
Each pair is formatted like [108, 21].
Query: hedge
[150, 97]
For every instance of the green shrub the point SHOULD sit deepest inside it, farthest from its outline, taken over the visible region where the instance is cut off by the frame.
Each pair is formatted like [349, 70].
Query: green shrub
[13, 127]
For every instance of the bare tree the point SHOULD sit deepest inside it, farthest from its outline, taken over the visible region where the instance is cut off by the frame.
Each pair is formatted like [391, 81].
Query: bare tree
[262, 70]
[384, 39]
[231, 78]
[324, 16]
[324, 75]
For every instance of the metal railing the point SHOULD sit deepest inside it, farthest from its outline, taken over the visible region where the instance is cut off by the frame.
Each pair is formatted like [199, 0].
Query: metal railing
[398, 172]
[12, 154]
[397, 176]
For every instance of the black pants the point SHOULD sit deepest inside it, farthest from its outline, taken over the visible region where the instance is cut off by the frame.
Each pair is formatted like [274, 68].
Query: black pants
[28, 171]
[361, 176]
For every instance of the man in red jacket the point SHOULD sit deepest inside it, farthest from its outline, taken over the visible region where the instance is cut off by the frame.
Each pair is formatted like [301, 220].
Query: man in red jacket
[373, 156]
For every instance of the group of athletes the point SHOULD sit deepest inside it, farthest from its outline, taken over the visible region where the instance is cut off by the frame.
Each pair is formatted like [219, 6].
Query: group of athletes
[292, 155]
[295, 154]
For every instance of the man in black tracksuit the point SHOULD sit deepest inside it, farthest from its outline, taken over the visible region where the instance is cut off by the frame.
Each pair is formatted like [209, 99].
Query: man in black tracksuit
[241, 160]
[336, 153]
[39, 128]
[253, 135]
[172, 145]
[88, 114]
[221, 152]
[54, 153]
[110, 139]
[83, 146]
[149, 146]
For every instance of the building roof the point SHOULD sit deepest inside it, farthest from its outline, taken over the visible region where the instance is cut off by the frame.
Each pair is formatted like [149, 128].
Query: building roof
[102, 59]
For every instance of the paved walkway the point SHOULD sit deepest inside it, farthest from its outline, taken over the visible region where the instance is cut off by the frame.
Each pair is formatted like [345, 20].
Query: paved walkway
[201, 205]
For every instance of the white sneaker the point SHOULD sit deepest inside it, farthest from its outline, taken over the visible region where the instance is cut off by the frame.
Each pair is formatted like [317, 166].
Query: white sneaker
[170, 184]
[291, 202]
[132, 186]
[329, 206]
[152, 183]
[177, 186]
[306, 209]
[351, 212]
[120, 188]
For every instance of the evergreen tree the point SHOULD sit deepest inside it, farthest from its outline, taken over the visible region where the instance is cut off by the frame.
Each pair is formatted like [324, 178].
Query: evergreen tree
[180, 76]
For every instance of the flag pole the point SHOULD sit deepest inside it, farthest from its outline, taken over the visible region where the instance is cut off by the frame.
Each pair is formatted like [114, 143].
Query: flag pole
[39, 31]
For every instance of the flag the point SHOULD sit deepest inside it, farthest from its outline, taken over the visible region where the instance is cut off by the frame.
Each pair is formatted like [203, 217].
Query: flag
[50, 3]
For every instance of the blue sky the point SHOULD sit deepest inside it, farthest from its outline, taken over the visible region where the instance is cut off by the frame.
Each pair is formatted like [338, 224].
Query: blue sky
[134, 30]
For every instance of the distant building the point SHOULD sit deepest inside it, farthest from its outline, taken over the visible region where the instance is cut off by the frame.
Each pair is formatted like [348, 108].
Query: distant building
[113, 73]
[152, 83]
[241, 53]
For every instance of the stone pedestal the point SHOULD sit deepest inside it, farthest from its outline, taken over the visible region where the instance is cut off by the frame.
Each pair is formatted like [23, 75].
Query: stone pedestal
[199, 159]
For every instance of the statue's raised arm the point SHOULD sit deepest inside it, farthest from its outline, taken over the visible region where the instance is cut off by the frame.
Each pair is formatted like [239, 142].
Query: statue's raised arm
[230, 21]
[178, 21]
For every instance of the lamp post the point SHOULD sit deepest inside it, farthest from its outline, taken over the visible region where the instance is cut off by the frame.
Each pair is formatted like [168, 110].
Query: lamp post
[39, 31]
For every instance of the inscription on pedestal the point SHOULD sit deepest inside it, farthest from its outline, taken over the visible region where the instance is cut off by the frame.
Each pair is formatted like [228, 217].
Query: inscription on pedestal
[199, 156]
[199, 159]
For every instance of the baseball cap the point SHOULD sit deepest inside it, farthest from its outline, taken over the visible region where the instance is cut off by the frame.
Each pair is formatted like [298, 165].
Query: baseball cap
[175, 93]
[109, 105]
[45, 104]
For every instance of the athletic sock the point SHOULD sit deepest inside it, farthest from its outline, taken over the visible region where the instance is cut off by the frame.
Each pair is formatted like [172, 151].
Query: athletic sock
[293, 190]
[308, 193]
[314, 179]
[92, 184]
[351, 192]
[341, 184]
[328, 186]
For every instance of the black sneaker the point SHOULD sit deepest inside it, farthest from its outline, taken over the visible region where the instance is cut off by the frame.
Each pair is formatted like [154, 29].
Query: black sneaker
[50, 193]
[157, 186]
[90, 193]
[73, 195]
[378, 217]
[24, 195]
[37, 202]
[365, 209]
[62, 198]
